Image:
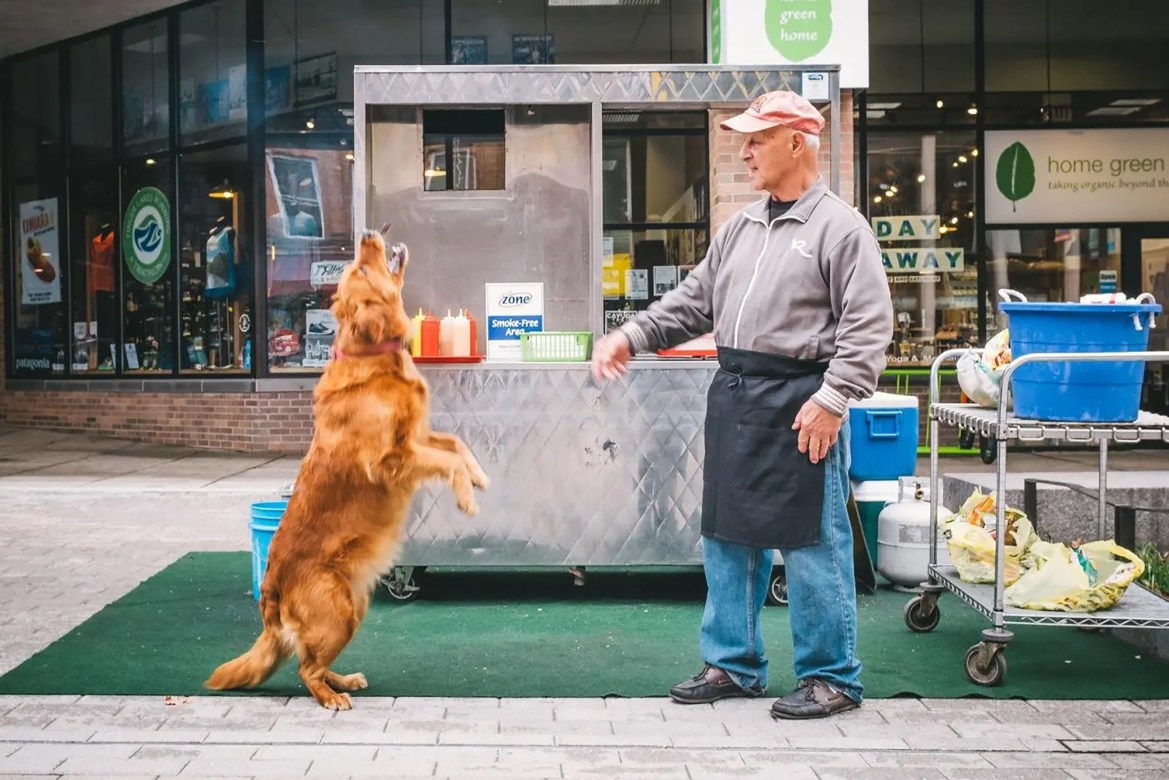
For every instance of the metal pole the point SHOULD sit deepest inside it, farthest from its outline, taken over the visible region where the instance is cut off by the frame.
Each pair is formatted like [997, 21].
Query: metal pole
[834, 165]
[1103, 488]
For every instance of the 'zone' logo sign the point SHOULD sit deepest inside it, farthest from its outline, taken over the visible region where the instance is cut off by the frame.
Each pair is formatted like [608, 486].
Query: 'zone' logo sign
[515, 299]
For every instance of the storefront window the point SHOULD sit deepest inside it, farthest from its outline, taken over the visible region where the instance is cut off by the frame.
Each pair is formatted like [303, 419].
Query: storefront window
[310, 227]
[91, 123]
[213, 99]
[145, 88]
[1074, 45]
[1056, 264]
[147, 267]
[311, 47]
[921, 46]
[654, 191]
[215, 264]
[93, 217]
[36, 243]
[922, 200]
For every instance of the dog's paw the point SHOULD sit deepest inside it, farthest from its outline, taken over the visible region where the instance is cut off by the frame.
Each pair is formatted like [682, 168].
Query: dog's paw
[469, 506]
[338, 701]
[479, 479]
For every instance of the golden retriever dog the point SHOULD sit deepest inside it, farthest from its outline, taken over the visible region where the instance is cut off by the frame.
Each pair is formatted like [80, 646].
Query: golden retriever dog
[371, 450]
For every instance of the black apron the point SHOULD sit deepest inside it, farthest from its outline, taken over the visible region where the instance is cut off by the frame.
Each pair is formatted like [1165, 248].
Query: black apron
[758, 488]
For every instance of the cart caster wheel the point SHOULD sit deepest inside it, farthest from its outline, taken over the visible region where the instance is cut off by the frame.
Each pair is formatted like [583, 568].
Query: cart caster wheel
[992, 675]
[401, 586]
[922, 617]
[988, 449]
[777, 591]
[966, 439]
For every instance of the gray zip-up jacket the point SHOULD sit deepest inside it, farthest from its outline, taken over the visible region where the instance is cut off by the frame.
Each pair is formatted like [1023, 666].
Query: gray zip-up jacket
[808, 285]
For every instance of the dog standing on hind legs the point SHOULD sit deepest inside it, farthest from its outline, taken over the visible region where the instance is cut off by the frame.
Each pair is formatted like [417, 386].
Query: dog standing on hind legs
[372, 447]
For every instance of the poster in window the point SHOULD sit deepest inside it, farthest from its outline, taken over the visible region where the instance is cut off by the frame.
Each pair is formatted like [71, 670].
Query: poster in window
[316, 80]
[320, 330]
[468, 50]
[237, 93]
[533, 49]
[40, 279]
[276, 89]
[665, 279]
[298, 190]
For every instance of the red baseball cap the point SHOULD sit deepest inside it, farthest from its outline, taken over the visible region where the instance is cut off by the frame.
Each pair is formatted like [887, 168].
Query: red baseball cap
[774, 109]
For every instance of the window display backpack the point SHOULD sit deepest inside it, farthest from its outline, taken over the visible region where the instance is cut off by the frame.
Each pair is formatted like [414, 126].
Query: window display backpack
[970, 535]
[1086, 578]
[980, 373]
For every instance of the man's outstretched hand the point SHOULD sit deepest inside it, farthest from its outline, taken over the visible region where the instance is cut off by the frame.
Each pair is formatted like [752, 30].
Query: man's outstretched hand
[610, 356]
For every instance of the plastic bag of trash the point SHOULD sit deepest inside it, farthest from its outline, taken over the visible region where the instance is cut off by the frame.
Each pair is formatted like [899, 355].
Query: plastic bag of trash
[1086, 578]
[971, 534]
[980, 374]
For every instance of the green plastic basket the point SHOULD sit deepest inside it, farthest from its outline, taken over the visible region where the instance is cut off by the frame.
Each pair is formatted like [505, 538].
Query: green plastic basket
[556, 346]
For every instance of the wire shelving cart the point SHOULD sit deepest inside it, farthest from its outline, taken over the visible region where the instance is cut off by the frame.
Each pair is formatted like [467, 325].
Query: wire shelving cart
[985, 662]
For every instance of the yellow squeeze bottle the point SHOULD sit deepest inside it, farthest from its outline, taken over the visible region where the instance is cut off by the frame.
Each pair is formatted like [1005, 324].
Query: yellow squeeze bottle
[416, 333]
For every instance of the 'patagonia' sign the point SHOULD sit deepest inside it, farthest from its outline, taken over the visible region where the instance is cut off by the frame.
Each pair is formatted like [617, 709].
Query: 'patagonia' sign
[923, 260]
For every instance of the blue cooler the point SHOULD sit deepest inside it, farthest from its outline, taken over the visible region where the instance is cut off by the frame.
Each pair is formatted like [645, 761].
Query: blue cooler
[1082, 391]
[265, 519]
[883, 440]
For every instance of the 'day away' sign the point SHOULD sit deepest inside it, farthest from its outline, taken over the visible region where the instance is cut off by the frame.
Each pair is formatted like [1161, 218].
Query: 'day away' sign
[912, 228]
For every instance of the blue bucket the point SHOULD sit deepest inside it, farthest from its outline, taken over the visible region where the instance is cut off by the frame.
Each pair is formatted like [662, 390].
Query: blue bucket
[1083, 391]
[265, 519]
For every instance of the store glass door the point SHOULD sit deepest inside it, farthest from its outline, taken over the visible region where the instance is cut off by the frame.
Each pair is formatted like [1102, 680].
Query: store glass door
[1154, 261]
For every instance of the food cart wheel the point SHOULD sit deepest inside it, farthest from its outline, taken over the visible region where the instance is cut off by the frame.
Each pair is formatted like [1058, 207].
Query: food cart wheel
[777, 590]
[921, 613]
[977, 669]
[400, 584]
[988, 449]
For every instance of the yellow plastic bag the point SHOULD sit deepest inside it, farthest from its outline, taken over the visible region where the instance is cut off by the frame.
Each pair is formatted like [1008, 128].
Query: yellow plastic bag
[1056, 580]
[971, 543]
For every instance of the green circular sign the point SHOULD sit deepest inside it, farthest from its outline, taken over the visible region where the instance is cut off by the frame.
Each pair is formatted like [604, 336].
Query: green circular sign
[146, 235]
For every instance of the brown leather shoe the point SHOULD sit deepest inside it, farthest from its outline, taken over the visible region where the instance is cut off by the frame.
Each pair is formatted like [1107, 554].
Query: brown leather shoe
[711, 684]
[812, 699]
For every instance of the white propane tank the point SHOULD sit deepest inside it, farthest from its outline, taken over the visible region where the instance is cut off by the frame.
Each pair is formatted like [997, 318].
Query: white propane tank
[903, 535]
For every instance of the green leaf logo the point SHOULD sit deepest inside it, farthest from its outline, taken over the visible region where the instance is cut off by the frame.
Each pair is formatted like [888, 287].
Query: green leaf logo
[1015, 173]
[798, 29]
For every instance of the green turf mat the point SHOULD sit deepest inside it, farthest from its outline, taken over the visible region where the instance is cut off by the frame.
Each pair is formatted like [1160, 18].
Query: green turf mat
[510, 633]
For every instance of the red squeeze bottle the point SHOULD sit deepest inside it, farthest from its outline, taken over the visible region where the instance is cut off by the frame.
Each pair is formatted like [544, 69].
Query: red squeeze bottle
[471, 320]
[430, 326]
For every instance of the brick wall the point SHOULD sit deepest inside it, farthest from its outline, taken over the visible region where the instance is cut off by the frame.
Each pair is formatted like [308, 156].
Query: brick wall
[248, 422]
[730, 188]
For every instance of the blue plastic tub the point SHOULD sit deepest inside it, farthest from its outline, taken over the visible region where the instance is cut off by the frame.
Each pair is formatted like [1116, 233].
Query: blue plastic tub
[1105, 391]
[883, 437]
[265, 519]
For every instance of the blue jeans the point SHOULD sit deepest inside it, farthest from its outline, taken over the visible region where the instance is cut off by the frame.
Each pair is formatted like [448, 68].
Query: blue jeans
[821, 589]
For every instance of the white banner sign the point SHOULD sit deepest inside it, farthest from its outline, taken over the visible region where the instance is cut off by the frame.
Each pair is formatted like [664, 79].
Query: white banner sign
[512, 309]
[923, 260]
[914, 228]
[793, 32]
[1069, 176]
[40, 276]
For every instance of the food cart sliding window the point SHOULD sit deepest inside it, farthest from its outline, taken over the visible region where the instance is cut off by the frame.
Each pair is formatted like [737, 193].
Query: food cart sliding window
[922, 201]
[655, 185]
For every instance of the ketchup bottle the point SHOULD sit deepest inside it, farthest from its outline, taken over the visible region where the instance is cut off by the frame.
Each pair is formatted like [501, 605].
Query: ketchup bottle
[430, 328]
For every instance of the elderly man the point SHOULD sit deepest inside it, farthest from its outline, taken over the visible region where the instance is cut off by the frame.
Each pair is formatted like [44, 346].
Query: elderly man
[794, 289]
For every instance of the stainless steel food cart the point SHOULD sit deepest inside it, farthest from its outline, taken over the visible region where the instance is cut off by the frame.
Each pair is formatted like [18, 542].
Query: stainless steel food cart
[985, 662]
[582, 475]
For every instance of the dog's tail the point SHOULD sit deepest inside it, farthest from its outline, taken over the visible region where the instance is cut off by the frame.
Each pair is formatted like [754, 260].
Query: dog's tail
[256, 665]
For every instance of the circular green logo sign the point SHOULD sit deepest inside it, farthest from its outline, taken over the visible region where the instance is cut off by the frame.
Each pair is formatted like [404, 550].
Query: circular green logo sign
[146, 235]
